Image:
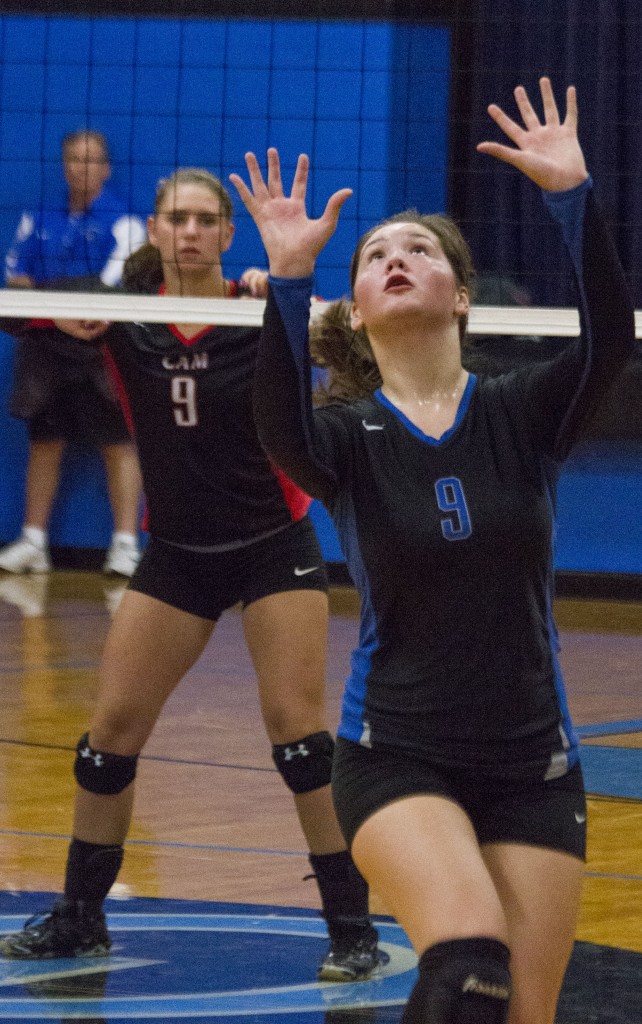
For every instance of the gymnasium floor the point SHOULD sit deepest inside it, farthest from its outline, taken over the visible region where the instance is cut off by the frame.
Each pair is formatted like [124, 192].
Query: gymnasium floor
[211, 916]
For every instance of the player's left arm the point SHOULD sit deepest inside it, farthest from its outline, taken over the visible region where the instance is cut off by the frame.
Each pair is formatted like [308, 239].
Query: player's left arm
[557, 399]
[607, 321]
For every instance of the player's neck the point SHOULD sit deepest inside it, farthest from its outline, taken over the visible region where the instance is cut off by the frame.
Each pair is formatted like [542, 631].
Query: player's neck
[79, 202]
[430, 401]
[415, 366]
[401, 390]
[210, 285]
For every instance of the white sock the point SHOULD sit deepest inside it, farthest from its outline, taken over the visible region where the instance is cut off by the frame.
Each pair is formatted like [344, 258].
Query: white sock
[36, 536]
[123, 537]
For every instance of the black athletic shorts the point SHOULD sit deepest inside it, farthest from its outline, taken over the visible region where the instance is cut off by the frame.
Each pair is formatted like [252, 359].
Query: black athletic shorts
[206, 583]
[533, 813]
[80, 414]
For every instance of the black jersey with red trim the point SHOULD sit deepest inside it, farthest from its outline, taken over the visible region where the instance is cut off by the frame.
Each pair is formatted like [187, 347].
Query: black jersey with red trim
[450, 540]
[207, 480]
[188, 402]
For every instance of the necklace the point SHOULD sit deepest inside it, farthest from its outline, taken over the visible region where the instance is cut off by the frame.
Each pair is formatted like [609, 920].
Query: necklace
[438, 397]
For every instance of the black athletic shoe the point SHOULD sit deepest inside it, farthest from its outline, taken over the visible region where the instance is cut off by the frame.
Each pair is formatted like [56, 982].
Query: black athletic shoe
[70, 929]
[353, 956]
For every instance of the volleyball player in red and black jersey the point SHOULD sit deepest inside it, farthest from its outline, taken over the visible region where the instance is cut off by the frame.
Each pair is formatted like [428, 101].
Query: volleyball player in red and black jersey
[456, 776]
[225, 527]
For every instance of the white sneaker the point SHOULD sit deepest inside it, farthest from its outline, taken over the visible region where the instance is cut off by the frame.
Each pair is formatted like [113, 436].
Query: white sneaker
[24, 556]
[28, 593]
[122, 558]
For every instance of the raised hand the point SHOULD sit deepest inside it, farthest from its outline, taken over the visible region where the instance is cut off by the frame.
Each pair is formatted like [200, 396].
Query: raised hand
[549, 154]
[292, 240]
[253, 282]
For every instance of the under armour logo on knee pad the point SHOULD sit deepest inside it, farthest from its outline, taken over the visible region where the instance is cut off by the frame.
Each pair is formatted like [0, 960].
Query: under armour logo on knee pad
[305, 764]
[96, 758]
[300, 750]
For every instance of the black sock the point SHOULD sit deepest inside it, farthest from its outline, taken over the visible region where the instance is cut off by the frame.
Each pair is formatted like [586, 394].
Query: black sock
[92, 869]
[344, 891]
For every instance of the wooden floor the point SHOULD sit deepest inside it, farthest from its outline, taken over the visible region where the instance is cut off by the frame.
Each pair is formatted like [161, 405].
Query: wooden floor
[213, 820]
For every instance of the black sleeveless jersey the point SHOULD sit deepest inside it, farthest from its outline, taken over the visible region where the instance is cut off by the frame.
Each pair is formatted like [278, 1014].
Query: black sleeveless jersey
[207, 481]
[450, 540]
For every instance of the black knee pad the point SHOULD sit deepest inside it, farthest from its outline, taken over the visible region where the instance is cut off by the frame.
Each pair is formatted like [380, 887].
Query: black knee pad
[98, 772]
[464, 981]
[305, 764]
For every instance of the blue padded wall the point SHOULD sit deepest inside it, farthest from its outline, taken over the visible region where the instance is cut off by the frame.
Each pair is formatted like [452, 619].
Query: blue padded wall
[169, 92]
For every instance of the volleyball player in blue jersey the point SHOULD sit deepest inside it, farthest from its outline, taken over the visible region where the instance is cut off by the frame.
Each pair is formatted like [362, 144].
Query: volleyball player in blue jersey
[225, 527]
[456, 777]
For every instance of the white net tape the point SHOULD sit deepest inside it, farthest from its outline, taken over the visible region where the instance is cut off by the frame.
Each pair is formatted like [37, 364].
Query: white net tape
[509, 320]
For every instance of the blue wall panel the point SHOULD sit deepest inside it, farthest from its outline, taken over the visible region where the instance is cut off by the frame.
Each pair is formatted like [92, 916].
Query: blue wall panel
[599, 521]
[201, 92]
[369, 102]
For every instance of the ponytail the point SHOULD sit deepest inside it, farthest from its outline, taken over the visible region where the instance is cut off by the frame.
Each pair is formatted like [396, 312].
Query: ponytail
[143, 271]
[346, 355]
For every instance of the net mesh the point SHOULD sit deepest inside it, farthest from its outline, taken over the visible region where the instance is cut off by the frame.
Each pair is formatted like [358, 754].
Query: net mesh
[387, 100]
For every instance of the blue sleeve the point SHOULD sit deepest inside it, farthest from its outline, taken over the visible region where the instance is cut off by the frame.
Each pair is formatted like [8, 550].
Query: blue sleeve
[556, 399]
[301, 442]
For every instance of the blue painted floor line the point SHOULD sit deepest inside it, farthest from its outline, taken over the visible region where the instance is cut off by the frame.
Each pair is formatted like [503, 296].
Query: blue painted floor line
[612, 771]
[609, 728]
[182, 960]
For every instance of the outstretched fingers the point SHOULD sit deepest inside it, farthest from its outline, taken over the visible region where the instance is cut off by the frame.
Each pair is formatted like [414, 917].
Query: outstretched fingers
[532, 123]
[291, 238]
[571, 108]
[333, 207]
[258, 189]
[545, 150]
[300, 181]
[506, 123]
[551, 113]
[274, 187]
[275, 184]
[525, 107]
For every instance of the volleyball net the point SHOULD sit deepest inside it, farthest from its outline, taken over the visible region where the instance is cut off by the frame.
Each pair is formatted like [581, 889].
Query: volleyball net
[387, 98]
[388, 106]
[56, 305]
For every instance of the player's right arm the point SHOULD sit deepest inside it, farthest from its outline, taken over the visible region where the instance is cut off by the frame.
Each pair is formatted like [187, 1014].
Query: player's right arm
[308, 446]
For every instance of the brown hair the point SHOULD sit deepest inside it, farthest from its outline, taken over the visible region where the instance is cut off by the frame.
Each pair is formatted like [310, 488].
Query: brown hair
[347, 354]
[143, 270]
